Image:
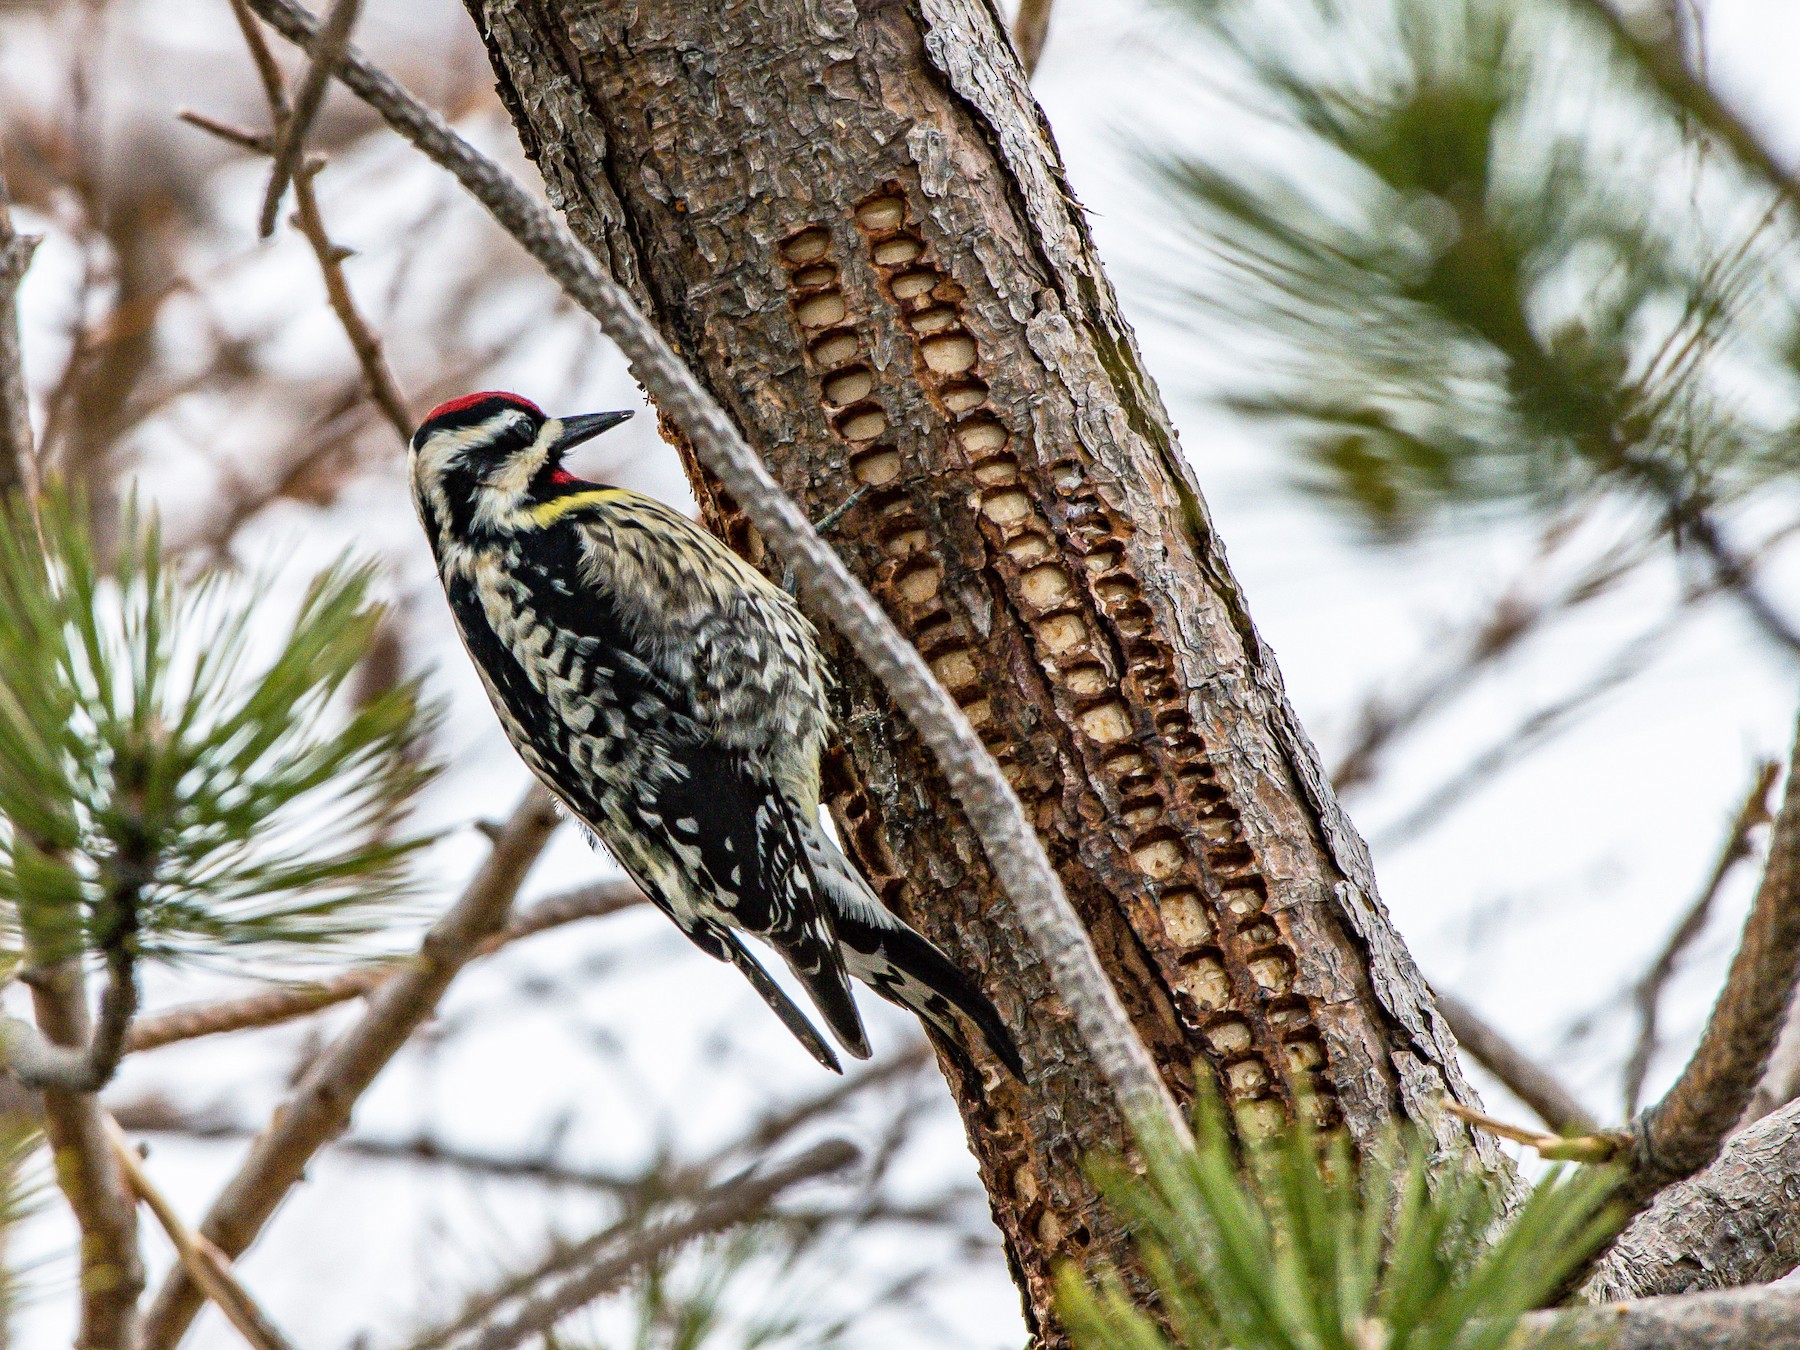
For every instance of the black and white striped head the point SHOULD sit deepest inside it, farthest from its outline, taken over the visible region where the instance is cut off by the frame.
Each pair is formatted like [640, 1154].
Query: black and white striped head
[479, 462]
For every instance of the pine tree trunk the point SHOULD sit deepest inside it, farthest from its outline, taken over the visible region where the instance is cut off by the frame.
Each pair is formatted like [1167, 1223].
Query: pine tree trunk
[852, 222]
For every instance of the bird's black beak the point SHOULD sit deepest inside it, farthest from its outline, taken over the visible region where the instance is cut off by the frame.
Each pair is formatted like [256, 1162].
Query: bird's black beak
[575, 430]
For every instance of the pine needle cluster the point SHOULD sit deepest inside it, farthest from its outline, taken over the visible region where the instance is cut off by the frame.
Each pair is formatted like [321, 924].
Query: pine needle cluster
[170, 780]
[1294, 1244]
[1497, 266]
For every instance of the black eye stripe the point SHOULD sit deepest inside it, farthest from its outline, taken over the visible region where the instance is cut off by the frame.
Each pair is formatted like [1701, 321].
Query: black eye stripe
[474, 415]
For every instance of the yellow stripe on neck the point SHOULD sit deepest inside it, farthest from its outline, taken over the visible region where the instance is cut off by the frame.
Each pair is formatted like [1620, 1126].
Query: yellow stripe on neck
[548, 513]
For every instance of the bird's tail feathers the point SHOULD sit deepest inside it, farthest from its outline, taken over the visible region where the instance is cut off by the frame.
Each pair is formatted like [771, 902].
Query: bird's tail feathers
[809, 945]
[772, 994]
[900, 965]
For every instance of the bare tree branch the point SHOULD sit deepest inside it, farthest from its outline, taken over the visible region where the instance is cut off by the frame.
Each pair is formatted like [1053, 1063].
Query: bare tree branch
[284, 1004]
[1752, 815]
[1736, 1223]
[993, 810]
[290, 147]
[1527, 1080]
[1682, 1133]
[321, 1103]
[205, 1262]
[1737, 1319]
[112, 1271]
[605, 1261]
[1781, 1079]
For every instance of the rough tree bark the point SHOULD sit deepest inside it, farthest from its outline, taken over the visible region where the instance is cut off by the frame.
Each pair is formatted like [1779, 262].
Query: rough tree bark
[852, 222]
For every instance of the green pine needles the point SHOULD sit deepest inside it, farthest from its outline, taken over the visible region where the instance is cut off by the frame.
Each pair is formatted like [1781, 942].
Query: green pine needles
[1296, 1246]
[1496, 268]
[176, 780]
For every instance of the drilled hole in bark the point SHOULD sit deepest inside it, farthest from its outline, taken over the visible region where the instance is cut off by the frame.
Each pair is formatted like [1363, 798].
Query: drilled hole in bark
[1289, 1016]
[1028, 547]
[905, 537]
[821, 310]
[877, 467]
[1185, 920]
[1273, 971]
[962, 396]
[1219, 829]
[834, 349]
[1186, 746]
[807, 246]
[911, 285]
[1302, 1055]
[1133, 618]
[848, 385]
[1121, 762]
[1141, 811]
[744, 539]
[955, 669]
[981, 715]
[1203, 792]
[1042, 587]
[882, 212]
[981, 436]
[949, 292]
[1263, 1118]
[1228, 1036]
[919, 582]
[1102, 560]
[1107, 723]
[1204, 980]
[864, 422]
[1247, 1077]
[1086, 679]
[948, 353]
[937, 320]
[998, 471]
[823, 274]
[1262, 933]
[1007, 507]
[1320, 1109]
[1115, 590]
[1173, 721]
[1061, 632]
[1159, 855]
[898, 251]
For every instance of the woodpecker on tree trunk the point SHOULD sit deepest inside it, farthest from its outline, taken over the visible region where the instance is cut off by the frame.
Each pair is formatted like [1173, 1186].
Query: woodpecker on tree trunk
[674, 701]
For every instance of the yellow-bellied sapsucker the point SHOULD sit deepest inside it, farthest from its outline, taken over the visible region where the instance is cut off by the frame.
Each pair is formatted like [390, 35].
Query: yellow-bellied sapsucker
[674, 701]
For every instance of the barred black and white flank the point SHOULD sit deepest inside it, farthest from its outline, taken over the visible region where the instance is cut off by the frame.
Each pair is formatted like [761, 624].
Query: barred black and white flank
[674, 701]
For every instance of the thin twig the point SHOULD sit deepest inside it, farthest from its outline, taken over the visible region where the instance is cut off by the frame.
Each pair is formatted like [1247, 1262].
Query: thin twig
[1754, 813]
[994, 813]
[1527, 1080]
[1672, 77]
[156, 1114]
[334, 37]
[321, 1103]
[1031, 26]
[203, 1261]
[383, 388]
[284, 1004]
[18, 461]
[608, 1259]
